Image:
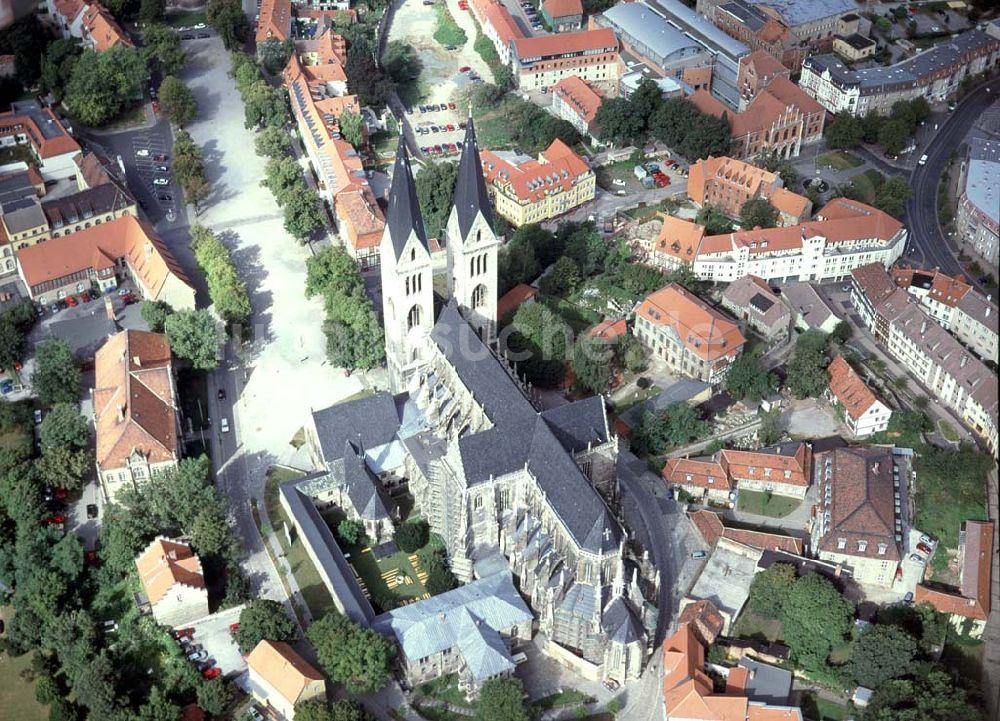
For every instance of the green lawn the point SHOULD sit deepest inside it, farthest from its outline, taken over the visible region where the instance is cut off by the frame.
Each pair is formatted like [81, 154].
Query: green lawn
[838, 160]
[947, 493]
[750, 625]
[17, 696]
[575, 317]
[566, 697]
[948, 430]
[815, 708]
[448, 32]
[867, 183]
[180, 20]
[445, 688]
[764, 504]
[622, 170]
[17, 154]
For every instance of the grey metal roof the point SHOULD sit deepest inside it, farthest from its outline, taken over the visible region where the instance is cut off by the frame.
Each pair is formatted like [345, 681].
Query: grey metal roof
[692, 22]
[683, 390]
[470, 187]
[768, 684]
[21, 214]
[372, 421]
[982, 183]
[404, 210]
[520, 437]
[800, 12]
[470, 618]
[808, 303]
[648, 28]
[746, 14]
[330, 562]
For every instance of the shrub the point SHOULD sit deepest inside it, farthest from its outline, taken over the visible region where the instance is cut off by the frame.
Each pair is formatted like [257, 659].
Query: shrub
[411, 536]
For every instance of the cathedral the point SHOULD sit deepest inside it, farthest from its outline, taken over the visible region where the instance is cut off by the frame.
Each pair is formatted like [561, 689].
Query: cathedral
[507, 486]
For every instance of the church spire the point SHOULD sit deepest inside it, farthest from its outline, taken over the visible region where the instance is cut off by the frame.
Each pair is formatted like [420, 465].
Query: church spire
[404, 210]
[470, 187]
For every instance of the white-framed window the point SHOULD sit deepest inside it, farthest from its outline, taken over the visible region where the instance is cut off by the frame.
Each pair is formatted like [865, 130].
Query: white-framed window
[841, 544]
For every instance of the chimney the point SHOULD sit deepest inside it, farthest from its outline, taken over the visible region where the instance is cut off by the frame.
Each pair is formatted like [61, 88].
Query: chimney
[875, 467]
[965, 360]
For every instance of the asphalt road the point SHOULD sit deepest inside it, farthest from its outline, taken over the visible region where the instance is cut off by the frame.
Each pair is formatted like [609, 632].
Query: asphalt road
[926, 236]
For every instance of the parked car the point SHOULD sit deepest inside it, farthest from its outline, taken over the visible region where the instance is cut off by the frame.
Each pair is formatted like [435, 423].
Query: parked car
[698, 554]
[222, 394]
[924, 548]
[142, 153]
[162, 169]
[37, 415]
[6, 386]
[161, 181]
[917, 559]
[908, 598]
[924, 538]
[130, 298]
[165, 197]
[55, 520]
[160, 157]
[199, 26]
[464, 69]
[182, 633]
[234, 627]
[254, 714]
[71, 301]
[225, 425]
[211, 673]
[91, 511]
[923, 159]
[202, 36]
[451, 106]
[90, 558]
[200, 655]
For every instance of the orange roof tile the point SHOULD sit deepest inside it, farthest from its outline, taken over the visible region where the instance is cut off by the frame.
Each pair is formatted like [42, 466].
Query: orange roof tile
[69, 9]
[135, 409]
[12, 124]
[711, 526]
[791, 94]
[165, 564]
[275, 20]
[608, 329]
[103, 29]
[679, 238]
[280, 666]
[789, 203]
[974, 599]
[764, 64]
[703, 330]
[557, 167]
[944, 288]
[514, 298]
[762, 712]
[580, 96]
[789, 468]
[704, 617]
[690, 472]
[848, 388]
[564, 43]
[563, 8]
[763, 111]
[504, 25]
[98, 248]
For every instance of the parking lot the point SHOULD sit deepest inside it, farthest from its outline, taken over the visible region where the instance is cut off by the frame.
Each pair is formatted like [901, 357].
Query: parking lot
[152, 166]
[213, 635]
[524, 15]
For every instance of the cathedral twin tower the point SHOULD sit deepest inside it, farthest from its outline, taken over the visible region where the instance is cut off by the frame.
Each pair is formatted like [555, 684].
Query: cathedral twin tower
[406, 270]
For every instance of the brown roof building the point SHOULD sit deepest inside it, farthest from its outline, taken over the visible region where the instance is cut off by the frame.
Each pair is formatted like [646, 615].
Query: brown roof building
[513, 298]
[136, 414]
[784, 469]
[864, 413]
[173, 582]
[275, 20]
[728, 183]
[752, 300]
[53, 146]
[756, 72]
[280, 678]
[858, 520]
[677, 243]
[704, 618]
[973, 599]
[712, 527]
[101, 31]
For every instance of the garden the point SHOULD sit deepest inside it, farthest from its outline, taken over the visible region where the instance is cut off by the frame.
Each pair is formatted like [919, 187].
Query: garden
[765, 503]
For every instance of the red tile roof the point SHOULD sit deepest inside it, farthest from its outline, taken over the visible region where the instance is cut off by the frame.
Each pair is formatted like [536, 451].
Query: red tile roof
[165, 564]
[944, 288]
[565, 43]
[609, 329]
[705, 618]
[703, 330]
[712, 527]
[679, 238]
[707, 474]
[275, 20]
[15, 125]
[580, 96]
[563, 8]
[513, 298]
[532, 180]
[506, 29]
[788, 464]
[764, 64]
[103, 29]
[848, 388]
[973, 599]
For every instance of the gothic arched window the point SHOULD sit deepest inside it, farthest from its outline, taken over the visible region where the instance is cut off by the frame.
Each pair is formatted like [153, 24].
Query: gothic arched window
[479, 296]
[413, 318]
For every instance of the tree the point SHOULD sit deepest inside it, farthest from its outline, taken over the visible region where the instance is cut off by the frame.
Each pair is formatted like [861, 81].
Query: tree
[350, 531]
[920, 109]
[771, 429]
[502, 699]
[807, 376]
[333, 270]
[435, 184]
[892, 136]
[758, 213]
[816, 618]
[676, 425]
[844, 131]
[177, 101]
[585, 245]
[162, 49]
[640, 280]
[747, 378]
[193, 335]
[592, 363]
[350, 654]
[883, 652]
[630, 353]
[225, 287]
[892, 195]
[303, 213]
[411, 536]
[273, 54]
[155, 313]
[715, 221]
[227, 17]
[264, 620]
[210, 532]
[47, 690]
[342, 710]
[929, 694]
[158, 708]
[56, 378]
[215, 696]
[352, 127]
[537, 340]
[151, 11]
[103, 84]
[273, 143]
[617, 121]
[282, 175]
[64, 426]
[841, 333]
[264, 106]
[440, 579]
[562, 279]
[769, 588]
[57, 65]
[401, 62]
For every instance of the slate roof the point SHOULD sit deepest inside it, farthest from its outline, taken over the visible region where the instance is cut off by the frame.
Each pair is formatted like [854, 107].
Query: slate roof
[404, 210]
[372, 421]
[521, 438]
[470, 618]
[470, 188]
[621, 623]
[363, 488]
[579, 423]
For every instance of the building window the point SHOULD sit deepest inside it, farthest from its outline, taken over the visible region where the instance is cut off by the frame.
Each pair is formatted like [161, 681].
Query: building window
[841, 544]
[413, 318]
[882, 548]
[862, 546]
[477, 502]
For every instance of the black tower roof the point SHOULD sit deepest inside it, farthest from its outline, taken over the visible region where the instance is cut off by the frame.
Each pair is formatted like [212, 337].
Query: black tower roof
[404, 210]
[470, 187]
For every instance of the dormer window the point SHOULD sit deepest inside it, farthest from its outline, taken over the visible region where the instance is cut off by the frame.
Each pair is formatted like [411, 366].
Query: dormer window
[882, 548]
[841, 544]
[862, 546]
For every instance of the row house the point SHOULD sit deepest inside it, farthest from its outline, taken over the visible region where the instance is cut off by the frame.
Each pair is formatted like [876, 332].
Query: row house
[531, 191]
[864, 412]
[978, 215]
[497, 25]
[727, 184]
[968, 315]
[89, 21]
[690, 336]
[784, 470]
[591, 55]
[752, 301]
[934, 74]
[844, 235]
[575, 101]
[949, 372]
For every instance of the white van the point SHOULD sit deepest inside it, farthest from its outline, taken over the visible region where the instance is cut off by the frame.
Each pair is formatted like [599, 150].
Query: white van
[923, 159]
[225, 425]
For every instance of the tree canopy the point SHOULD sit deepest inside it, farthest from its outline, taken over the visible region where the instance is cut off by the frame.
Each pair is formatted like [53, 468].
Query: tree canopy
[930, 694]
[104, 84]
[675, 426]
[715, 221]
[592, 363]
[881, 653]
[161, 48]
[816, 618]
[807, 377]
[502, 699]
[264, 620]
[747, 378]
[537, 341]
[225, 287]
[273, 143]
[229, 20]
[177, 101]
[273, 54]
[56, 378]
[193, 335]
[769, 588]
[758, 213]
[351, 655]
[435, 184]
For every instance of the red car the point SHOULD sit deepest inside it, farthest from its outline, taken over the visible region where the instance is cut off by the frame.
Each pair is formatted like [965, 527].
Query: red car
[71, 301]
[464, 69]
[90, 557]
[130, 298]
[234, 627]
[55, 520]
[183, 633]
[670, 163]
[451, 106]
[450, 127]
[211, 673]
[156, 106]
[661, 182]
[925, 549]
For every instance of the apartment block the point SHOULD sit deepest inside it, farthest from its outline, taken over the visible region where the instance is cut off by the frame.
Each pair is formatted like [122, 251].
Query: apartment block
[524, 190]
[54, 149]
[949, 372]
[978, 216]
[728, 183]
[577, 102]
[692, 338]
[935, 74]
[591, 55]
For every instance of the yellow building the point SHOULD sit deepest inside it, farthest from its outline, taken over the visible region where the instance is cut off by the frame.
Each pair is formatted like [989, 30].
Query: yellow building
[536, 190]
